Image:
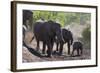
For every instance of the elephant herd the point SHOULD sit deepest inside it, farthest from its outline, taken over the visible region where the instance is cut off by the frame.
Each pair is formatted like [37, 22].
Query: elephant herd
[50, 32]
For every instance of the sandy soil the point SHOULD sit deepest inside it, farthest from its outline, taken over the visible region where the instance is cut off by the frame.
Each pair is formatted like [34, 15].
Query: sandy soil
[27, 56]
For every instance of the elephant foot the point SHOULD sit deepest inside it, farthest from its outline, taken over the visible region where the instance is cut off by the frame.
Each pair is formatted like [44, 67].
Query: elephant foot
[75, 55]
[55, 52]
[68, 53]
[48, 56]
[78, 55]
[37, 49]
[43, 52]
[58, 54]
[72, 55]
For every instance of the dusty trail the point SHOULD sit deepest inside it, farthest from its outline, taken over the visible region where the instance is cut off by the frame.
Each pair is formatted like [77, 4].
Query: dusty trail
[27, 56]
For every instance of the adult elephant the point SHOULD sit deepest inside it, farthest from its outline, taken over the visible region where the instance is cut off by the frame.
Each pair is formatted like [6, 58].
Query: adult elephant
[67, 38]
[46, 32]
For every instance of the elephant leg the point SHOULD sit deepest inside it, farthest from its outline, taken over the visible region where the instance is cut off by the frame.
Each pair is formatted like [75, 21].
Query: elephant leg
[78, 52]
[68, 48]
[38, 45]
[61, 48]
[52, 43]
[81, 51]
[44, 47]
[73, 52]
[57, 44]
[49, 50]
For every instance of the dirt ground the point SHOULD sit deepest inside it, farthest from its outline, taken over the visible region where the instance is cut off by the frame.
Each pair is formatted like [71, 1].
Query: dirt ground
[27, 56]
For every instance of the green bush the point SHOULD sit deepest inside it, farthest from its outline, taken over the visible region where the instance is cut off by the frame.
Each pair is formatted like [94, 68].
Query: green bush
[86, 34]
[86, 38]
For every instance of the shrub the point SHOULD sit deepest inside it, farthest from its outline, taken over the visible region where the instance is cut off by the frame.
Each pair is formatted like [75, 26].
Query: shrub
[86, 37]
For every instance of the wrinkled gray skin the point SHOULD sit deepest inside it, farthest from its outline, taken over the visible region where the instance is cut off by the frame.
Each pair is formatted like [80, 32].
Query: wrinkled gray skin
[67, 38]
[46, 32]
[78, 46]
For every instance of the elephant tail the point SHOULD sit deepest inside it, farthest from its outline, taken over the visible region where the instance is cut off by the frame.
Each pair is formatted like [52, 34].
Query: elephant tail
[32, 39]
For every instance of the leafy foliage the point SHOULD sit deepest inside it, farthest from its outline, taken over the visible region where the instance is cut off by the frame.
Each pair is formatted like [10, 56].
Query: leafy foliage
[87, 38]
[87, 34]
[64, 18]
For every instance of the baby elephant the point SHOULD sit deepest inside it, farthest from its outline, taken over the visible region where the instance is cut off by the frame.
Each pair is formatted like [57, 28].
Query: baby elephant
[78, 47]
